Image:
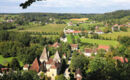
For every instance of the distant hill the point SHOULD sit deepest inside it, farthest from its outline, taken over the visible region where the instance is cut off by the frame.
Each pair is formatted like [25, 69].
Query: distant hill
[110, 15]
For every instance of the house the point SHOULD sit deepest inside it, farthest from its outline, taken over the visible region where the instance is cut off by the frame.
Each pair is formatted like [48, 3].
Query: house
[26, 67]
[67, 73]
[121, 59]
[99, 32]
[64, 56]
[78, 74]
[106, 48]
[50, 66]
[55, 45]
[88, 52]
[70, 23]
[68, 31]
[63, 39]
[115, 27]
[35, 65]
[74, 47]
[5, 70]
[76, 32]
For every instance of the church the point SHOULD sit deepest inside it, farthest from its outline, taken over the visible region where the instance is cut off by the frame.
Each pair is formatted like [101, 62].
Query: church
[50, 66]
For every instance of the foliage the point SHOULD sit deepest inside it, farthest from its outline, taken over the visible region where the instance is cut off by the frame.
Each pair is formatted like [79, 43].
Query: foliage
[60, 77]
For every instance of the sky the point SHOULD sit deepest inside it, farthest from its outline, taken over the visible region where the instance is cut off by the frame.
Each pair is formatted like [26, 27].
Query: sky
[65, 6]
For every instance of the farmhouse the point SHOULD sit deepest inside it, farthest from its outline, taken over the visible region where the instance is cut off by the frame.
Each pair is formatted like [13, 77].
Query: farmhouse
[68, 31]
[115, 27]
[26, 67]
[63, 39]
[99, 32]
[55, 45]
[74, 47]
[88, 52]
[121, 59]
[106, 48]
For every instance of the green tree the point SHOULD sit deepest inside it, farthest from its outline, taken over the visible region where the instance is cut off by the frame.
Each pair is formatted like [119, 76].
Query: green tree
[60, 77]
[15, 64]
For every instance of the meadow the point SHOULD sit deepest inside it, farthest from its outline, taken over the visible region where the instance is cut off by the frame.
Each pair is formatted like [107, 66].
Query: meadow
[4, 61]
[94, 41]
[99, 42]
[39, 28]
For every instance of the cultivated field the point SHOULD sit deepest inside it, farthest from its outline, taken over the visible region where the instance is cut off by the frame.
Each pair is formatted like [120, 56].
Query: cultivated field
[81, 19]
[100, 42]
[94, 41]
[115, 35]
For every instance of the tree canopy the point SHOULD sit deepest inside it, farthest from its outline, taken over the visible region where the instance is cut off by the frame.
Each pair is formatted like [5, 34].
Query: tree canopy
[28, 3]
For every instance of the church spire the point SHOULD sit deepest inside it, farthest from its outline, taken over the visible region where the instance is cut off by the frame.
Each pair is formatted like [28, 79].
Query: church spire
[57, 57]
[44, 56]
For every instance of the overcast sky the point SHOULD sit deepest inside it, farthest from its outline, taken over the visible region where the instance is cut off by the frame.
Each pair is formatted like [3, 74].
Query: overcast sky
[66, 6]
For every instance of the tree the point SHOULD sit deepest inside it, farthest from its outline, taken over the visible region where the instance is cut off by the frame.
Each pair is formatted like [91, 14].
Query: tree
[15, 64]
[24, 38]
[124, 40]
[60, 77]
[28, 3]
[81, 60]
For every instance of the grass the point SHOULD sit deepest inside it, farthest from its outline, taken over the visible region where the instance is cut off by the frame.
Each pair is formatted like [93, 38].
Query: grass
[99, 42]
[3, 60]
[115, 35]
[39, 28]
[94, 41]
[69, 38]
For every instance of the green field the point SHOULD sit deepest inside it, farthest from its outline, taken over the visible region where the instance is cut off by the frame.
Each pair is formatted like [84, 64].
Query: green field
[38, 28]
[93, 41]
[5, 60]
[115, 35]
[100, 42]
[69, 38]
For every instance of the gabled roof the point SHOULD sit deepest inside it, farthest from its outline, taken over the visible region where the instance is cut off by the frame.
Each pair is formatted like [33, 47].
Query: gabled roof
[44, 55]
[56, 44]
[26, 66]
[103, 47]
[35, 65]
[74, 45]
[88, 50]
[76, 32]
[121, 59]
[57, 57]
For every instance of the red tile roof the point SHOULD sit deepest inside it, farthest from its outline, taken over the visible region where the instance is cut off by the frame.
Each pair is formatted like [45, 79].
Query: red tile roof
[121, 59]
[76, 32]
[35, 66]
[88, 50]
[103, 47]
[74, 45]
[56, 44]
[26, 66]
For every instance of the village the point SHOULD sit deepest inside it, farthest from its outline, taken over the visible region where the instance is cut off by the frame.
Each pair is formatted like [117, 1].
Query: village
[48, 48]
[51, 67]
